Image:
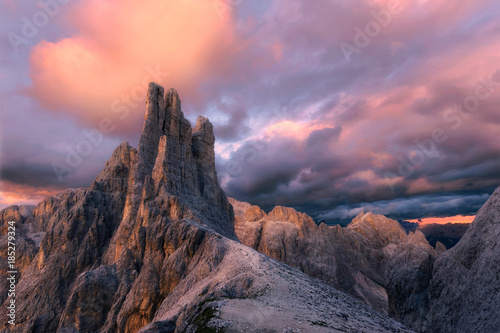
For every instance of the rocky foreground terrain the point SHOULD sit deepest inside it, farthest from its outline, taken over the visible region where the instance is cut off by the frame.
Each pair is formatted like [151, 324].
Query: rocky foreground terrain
[152, 247]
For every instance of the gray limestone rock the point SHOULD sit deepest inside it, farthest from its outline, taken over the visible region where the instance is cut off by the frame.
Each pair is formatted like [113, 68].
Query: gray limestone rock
[364, 259]
[464, 293]
[459, 290]
[151, 247]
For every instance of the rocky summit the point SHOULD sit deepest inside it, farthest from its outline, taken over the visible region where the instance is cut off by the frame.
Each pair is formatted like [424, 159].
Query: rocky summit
[366, 259]
[374, 260]
[151, 247]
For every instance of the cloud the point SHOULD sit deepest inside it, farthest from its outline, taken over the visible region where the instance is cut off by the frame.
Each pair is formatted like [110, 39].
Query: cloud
[234, 129]
[323, 136]
[391, 104]
[296, 124]
[103, 70]
[12, 194]
[443, 220]
[439, 207]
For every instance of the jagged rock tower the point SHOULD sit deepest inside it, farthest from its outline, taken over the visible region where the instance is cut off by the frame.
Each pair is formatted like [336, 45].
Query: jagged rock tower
[173, 161]
[151, 247]
[127, 241]
[173, 169]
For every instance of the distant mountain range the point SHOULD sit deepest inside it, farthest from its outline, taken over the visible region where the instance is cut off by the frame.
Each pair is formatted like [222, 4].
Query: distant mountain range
[447, 234]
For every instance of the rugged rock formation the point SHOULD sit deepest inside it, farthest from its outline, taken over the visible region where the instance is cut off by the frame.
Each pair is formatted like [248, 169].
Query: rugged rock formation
[27, 242]
[458, 291]
[440, 248]
[365, 259]
[411, 265]
[464, 293]
[151, 247]
[374, 260]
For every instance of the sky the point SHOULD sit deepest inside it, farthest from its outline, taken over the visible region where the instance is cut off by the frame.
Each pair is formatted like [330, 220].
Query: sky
[332, 107]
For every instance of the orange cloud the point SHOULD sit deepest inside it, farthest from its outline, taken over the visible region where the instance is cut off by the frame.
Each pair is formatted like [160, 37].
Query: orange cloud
[120, 46]
[444, 220]
[288, 128]
[13, 194]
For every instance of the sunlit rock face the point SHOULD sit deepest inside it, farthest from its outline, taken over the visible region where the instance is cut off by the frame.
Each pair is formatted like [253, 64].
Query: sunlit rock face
[151, 247]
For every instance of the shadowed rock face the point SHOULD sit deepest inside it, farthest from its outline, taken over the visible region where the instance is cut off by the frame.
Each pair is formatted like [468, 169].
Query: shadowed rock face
[365, 259]
[446, 234]
[458, 291]
[464, 292]
[151, 247]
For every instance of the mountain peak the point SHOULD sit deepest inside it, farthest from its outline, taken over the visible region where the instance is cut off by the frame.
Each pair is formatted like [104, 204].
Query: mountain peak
[377, 228]
[171, 160]
[151, 247]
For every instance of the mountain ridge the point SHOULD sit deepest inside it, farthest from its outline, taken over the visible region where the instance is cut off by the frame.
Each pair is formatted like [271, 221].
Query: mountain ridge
[151, 247]
[358, 259]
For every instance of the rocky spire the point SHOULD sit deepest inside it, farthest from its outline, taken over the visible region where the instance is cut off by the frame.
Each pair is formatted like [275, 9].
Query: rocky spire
[204, 155]
[174, 160]
[151, 131]
[144, 250]
[464, 286]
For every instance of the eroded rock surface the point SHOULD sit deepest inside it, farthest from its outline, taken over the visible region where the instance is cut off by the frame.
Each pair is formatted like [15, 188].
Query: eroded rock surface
[458, 291]
[464, 292]
[151, 247]
[369, 259]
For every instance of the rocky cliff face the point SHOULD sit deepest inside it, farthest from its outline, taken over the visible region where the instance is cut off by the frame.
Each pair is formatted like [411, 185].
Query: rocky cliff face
[464, 293]
[151, 247]
[458, 291]
[374, 260]
[366, 259]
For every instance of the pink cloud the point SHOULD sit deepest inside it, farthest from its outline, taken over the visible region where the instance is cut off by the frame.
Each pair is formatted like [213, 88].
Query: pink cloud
[444, 220]
[395, 91]
[122, 45]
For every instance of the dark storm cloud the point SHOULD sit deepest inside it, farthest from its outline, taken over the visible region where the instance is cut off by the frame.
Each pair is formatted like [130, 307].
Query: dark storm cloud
[323, 136]
[32, 175]
[234, 129]
[443, 95]
[443, 205]
[354, 126]
[35, 139]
